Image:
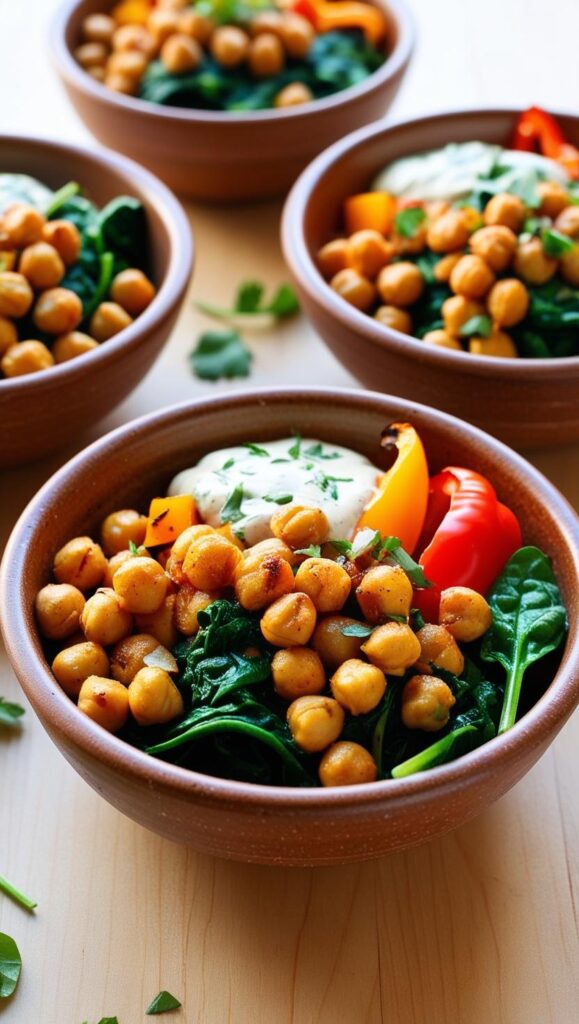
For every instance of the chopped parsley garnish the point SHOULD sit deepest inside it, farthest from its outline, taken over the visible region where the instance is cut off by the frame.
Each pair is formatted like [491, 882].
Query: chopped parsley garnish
[479, 325]
[295, 450]
[279, 499]
[407, 222]
[314, 551]
[10, 713]
[231, 511]
[228, 464]
[220, 354]
[316, 451]
[255, 449]
[555, 243]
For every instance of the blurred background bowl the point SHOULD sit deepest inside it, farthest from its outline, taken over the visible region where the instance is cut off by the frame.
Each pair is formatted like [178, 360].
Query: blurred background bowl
[525, 402]
[221, 155]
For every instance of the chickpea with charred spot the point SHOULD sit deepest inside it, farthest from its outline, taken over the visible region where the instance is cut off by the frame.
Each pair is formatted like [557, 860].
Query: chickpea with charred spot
[260, 580]
[289, 621]
[127, 656]
[439, 648]
[188, 603]
[385, 590]
[426, 703]
[105, 701]
[211, 562]
[464, 613]
[80, 562]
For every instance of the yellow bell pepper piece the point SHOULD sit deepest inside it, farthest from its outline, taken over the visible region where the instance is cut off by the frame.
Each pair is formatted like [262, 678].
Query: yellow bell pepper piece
[168, 517]
[398, 508]
[374, 210]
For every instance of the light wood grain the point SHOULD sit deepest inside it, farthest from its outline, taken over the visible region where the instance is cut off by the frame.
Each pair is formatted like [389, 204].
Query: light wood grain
[478, 928]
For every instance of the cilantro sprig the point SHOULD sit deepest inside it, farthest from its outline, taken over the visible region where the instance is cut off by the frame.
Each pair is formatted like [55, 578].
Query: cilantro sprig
[220, 354]
[250, 305]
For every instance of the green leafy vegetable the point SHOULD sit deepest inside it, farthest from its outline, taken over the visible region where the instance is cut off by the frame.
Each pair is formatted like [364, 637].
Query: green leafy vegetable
[231, 511]
[256, 450]
[220, 354]
[249, 302]
[314, 551]
[10, 965]
[357, 629]
[555, 243]
[61, 196]
[477, 325]
[15, 894]
[529, 621]
[162, 1003]
[294, 451]
[392, 546]
[407, 222]
[434, 755]
[279, 499]
[10, 714]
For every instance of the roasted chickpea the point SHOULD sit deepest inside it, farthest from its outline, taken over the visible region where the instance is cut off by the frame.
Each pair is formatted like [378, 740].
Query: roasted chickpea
[125, 84]
[297, 34]
[445, 266]
[91, 55]
[98, 28]
[457, 310]
[128, 64]
[58, 610]
[69, 346]
[266, 55]
[358, 686]
[26, 357]
[76, 663]
[334, 256]
[105, 701]
[8, 334]
[261, 579]
[229, 45]
[369, 252]
[80, 562]
[400, 284]
[395, 318]
[505, 209]
[134, 37]
[141, 584]
[272, 546]
[442, 339]
[266, 21]
[332, 644]
[289, 621]
[181, 53]
[57, 311]
[22, 225]
[326, 582]
[384, 590]
[127, 657]
[392, 647]
[347, 764]
[41, 265]
[315, 722]
[160, 623]
[354, 288]
[554, 198]
[293, 95]
[439, 648]
[162, 24]
[426, 702]
[63, 236]
[122, 528]
[183, 542]
[15, 294]
[495, 244]
[299, 526]
[115, 563]
[567, 222]
[532, 263]
[508, 302]
[448, 232]
[570, 267]
[198, 26]
[104, 620]
[211, 562]
[132, 290]
[227, 531]
[497, 343]
[107, 320]
[464, 613]
[188, 603]
[297, 671]
[153, 697]
[471, 277]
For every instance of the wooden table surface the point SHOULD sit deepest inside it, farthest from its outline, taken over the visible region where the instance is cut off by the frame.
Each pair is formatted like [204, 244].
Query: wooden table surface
[477, 928]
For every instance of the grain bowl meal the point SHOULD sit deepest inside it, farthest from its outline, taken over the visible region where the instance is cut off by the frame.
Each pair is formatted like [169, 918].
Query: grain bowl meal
[71, 276]
[233, 55]
[289, 614]
[471, 247]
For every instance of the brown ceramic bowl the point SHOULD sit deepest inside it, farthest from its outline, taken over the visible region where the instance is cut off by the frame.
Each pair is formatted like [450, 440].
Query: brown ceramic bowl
[525, 402]
[260, 823]
[41, 412]
[219, 155]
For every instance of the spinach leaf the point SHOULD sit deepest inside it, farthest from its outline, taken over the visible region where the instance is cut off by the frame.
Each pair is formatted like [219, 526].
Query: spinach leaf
[162, 1003]
[123, 228]
[314, 551]
[445, 749]
[220, 354]
[529, 621]
[15, 894]
[10, 713]
[555, 243]
[10, 965]
[407, 222]
[477, 325]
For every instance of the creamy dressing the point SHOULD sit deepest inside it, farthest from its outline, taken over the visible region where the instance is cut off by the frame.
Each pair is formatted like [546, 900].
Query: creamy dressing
[453, 172]
[247, 484]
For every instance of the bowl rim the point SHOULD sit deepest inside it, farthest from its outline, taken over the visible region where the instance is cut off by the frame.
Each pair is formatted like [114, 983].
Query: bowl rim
[309, 278]
[553, 707]
[75, 77]
[175, 281]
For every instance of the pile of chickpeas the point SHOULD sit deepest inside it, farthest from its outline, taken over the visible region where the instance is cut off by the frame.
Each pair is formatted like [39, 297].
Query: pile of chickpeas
[35, 254]
[116, 607]
[486, 259]
[117, 48]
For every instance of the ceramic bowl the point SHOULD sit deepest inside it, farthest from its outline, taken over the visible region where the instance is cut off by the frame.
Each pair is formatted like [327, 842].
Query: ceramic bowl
[525, 402]
[244, 821]
[41, 412]
[218, 155]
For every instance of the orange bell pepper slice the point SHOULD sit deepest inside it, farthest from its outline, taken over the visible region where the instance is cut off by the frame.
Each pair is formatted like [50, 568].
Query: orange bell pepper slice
[399, 506]
[375, 210]
[168, 517]
[327, 15]
[132, 12]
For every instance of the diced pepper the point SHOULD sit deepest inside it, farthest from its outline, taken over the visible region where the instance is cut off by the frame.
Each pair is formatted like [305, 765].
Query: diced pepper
[399, 505]
[374, 210]
[536, 128]
[327, 15]
[168, 517]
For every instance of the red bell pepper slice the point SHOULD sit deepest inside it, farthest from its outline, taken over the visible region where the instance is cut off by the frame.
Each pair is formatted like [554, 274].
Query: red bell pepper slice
[536, 128]
[468, 536]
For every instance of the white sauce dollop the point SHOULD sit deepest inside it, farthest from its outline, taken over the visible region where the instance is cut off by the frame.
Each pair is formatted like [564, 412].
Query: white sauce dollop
[247, 484]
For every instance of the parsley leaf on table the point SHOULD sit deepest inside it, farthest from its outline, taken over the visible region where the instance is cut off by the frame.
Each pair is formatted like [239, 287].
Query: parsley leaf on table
[220, 354]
